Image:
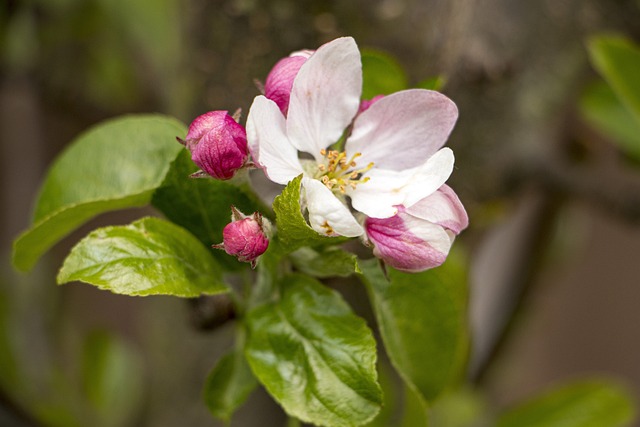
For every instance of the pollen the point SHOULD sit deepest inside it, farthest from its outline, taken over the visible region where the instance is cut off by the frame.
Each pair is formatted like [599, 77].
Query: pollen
[338, 173]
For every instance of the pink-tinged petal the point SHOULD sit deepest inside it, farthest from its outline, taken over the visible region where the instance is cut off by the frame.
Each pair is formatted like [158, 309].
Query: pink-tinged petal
[443, 208]
[328, 215]
[403, 129]
[279, 82]
[407, 243]
[386, 189]
[268, 143]
[325, 96]
[366, 103]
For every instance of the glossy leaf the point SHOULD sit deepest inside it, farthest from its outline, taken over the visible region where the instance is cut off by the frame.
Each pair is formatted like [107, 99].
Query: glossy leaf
[314, 356]
[602, 108]
[148, 257]
[117, 164]
[422, 320]
[228, 385]
[330, 262]
[111, 378]
[203, 205]
[618, 61]
[293, 230]
[580, 404]
[381, 74]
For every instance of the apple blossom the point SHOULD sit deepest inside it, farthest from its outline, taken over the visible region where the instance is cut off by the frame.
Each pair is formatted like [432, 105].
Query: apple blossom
[279, 81]
[419, 237]
[392, 157]
[218, 144]
[245, 237]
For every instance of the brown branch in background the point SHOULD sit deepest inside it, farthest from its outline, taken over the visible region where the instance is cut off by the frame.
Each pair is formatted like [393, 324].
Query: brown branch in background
[612, 191]
[13, 415]
[524, 279]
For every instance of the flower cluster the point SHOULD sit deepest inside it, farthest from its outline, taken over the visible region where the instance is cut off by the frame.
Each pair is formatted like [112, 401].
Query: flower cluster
[372, 168]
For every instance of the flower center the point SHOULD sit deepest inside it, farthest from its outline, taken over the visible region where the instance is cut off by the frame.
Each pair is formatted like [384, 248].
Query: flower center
[339, 173]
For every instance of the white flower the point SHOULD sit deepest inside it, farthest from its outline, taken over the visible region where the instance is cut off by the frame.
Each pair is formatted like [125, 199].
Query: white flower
[392, 156]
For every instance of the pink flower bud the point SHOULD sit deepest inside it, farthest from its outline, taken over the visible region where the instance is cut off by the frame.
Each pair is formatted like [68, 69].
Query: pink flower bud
[218, 144]
[419, 237]
[245, 237]
[366, 103]
[280, 79]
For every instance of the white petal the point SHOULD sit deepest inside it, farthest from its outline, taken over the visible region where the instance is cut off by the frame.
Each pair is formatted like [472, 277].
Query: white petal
[325, 96]
[387, 189]
[268, 142]
[378, 197]
[402, 130]
[429, 177]
[328, 215]
[443, 208]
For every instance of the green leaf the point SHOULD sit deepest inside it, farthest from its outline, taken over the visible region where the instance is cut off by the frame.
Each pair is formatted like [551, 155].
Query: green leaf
[461, 408]
[228, 385]
[432, 83]
[602, 108]
[618, 61]
[293, 230]
[330, 262]
[148, 257]
[422, 320]
[115, 165]
[592, 403]
[415, 410]
[111, 378]
[314, 356]
[381, 74]
[203, 205]
[390, 395]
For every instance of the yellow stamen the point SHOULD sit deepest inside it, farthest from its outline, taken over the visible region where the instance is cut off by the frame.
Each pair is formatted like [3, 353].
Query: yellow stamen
[338, 173]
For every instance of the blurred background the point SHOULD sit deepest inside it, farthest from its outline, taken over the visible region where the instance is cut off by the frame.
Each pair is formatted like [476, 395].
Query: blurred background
[554, 201]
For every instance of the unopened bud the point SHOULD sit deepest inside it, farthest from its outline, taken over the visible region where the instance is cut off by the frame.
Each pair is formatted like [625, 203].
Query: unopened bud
[245, 237]
[218, 144]
[280, 79]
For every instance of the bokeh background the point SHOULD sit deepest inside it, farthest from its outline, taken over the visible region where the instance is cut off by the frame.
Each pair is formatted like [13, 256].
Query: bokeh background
[554, 204]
